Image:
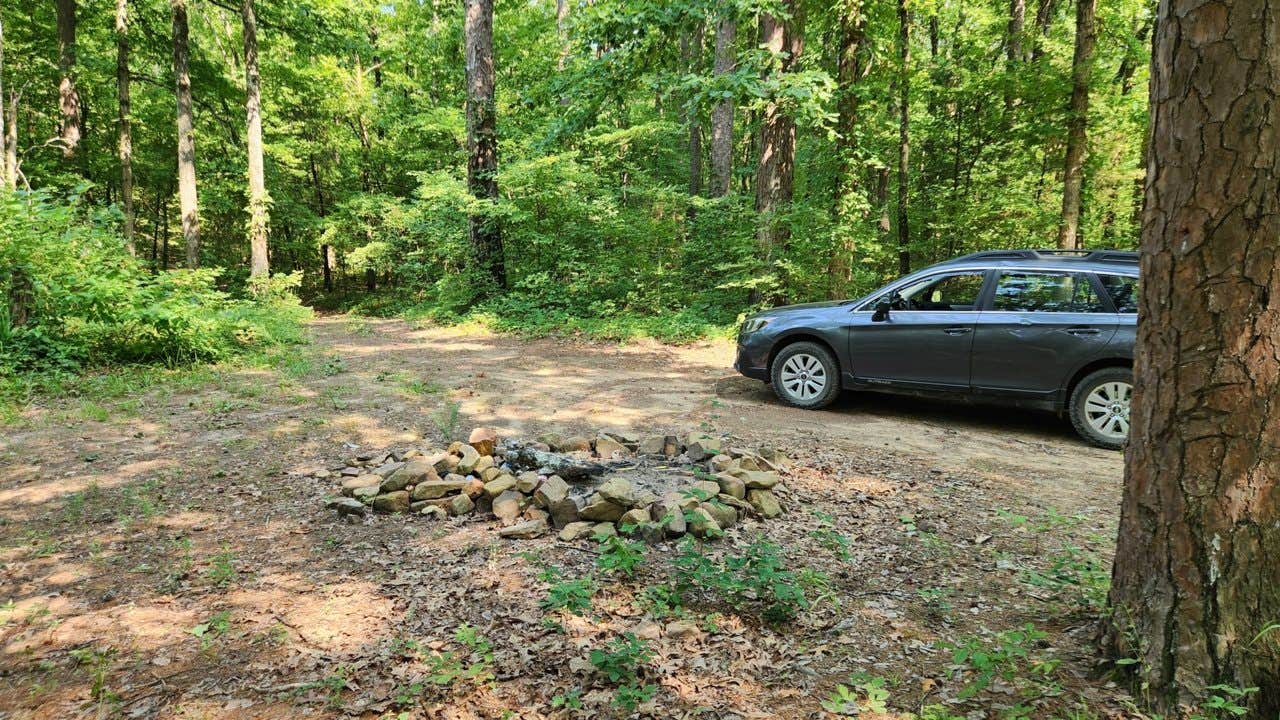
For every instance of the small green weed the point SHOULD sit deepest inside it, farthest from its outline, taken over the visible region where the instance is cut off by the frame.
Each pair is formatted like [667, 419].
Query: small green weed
[571, 595]
[620, 556]
[620, 662]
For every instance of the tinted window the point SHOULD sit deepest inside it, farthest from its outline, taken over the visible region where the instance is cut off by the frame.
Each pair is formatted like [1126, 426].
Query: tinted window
[958, 292]
[1123, 291]
[1046, 292]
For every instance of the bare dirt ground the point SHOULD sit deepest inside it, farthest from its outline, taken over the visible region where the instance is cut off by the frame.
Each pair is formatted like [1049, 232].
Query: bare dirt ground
[165, 556]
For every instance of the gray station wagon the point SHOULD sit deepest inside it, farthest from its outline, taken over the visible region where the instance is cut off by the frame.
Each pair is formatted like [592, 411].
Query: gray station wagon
[1048, 329]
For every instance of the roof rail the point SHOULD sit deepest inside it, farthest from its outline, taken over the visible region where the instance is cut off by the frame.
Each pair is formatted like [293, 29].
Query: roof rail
[1095, 255]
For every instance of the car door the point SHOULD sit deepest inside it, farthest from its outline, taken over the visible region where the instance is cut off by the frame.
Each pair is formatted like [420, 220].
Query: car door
[926, 339]
[1039, 326]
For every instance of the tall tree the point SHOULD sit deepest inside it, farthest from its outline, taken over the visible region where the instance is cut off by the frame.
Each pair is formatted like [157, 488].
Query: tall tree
[1077, 125]
[1195, 581]
[482, 136]
[853, 29]
[4, 156]
[692, 51]
[187, 201]
[904, 136]
[722, 113]
[1017, 21]
[68, 95]
[125, 144]
[258, 220]
[782, 36]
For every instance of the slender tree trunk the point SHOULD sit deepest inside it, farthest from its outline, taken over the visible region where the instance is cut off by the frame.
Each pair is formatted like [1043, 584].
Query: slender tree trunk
[904, 136]
[848, 72]
[775, 173]
[1017, 21]
[187, 200]
[164, 236]
[326, 258]
[562, 32]
[68, 95]
[10, 111]
[1196, 582]
[1045, 11]
[482, 138]
[258, 218]
[4, 133]
[125, 144]
[1073, 169]
[722, 114]
[692, 50]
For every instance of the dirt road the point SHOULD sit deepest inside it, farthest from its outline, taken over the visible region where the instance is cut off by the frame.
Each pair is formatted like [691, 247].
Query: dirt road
[162, 558]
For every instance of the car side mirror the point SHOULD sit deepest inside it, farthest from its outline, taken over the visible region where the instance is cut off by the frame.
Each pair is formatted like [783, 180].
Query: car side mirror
[882, 311]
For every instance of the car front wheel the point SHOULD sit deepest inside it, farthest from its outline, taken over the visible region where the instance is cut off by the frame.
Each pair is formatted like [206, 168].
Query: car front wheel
[1100, 407]
[806, 375]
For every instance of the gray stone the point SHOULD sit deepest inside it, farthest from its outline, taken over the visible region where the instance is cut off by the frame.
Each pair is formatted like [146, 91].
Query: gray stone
[525, 530]
[350, 484]
[461, 505]
[438, 488]
[346, 506]
[499, 485]
[702, 524]
[603, 530]
[385, 469]
[563, 512]
[444, 462]
[576, 531]
[365, 494]
[392, 502]
[701, 447]
[551, 491]
[725, 516]
[651, 445]
[730, 485]
[758, 480]
[577, 443]
[433, 512]
[507, 506]
[636, 517]
[467, 459]
[765, 502]
[600, 509]
[527, 482]
[607, 447]
[619, 492]
[484, 463]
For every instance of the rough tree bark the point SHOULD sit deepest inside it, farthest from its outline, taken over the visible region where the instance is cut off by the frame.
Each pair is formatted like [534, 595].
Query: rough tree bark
[4, 134]
[482, 137]
[1017, 21]
[1045, 10]
[904, 136]
[68, 96]
[125, 143]
[1195, 579]
[258, 219]
[722, 113]
[853, 28]
[187, 200]
[691, 47]
[1077, 126]
[775, 173]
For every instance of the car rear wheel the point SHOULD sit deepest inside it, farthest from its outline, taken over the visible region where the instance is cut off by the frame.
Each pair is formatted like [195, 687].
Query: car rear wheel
[806, 375]
[1100, 407]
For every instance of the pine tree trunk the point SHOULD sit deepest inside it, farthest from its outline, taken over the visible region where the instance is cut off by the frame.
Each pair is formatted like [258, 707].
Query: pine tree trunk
[1077, 124]
[187, 201]
[1196, 578]
[68, 95]
[775, 172]
[848, 71]
[722, 114]
[258, 218]
[125, 145]
[904, 136]
[692, 51]
[4, 133]
[482, 138]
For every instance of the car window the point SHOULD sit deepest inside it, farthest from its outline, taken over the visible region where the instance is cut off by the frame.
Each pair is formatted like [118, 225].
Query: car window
[955, 292]
[1123, 290]
[1046, 292]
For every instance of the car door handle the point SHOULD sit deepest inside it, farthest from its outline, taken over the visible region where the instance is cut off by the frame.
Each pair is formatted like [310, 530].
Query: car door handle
[1083, 331]
[957, 330]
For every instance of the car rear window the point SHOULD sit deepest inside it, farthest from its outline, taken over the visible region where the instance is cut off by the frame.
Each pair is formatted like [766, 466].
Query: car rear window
[1123, 290]
[1046, 292]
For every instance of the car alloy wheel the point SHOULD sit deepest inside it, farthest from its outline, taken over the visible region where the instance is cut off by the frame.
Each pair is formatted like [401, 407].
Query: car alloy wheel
[803, 377]
[1106, 409]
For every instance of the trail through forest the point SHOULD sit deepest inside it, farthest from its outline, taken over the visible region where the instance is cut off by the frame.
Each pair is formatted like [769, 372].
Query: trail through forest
[168, 556]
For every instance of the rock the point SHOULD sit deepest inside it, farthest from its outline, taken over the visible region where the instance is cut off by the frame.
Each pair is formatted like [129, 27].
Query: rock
[683, 501]
[432, 512]
[636, 517]
[350, 484]
[439, 488]
[350, 471]
[669, 516]
[603, 530]
[346, 506]
[534, 513]
[608, 448]
[700, 447]
[652, 445]
[365, 494]
[483, 439]
[600, 509]
[765, 502]
[706, 489]
[648, 630]
[758, 480]
[392, 502]
[491, 473]
[527, 482]
[507, 506]
[748, 462]
[551, 440]
[722, 463]
[499, 485]
[572, 467]
[444, 463]
[743, 507]
[623, 438]
[474, 488]
[670, 446]
[576, 531]
[484, 463]
[552, 490]
[461, 505]
[525, 530]
[680, 629]
[577, 443]
[467, 459]
[411, 474]
[702, 524]
[619, 492]
[730, 485]
[385, 469]
[725, 516]
[563, 512]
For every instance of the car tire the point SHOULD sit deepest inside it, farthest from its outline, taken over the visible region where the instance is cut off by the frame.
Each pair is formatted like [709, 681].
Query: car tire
[1099, 407]
[805, 375]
